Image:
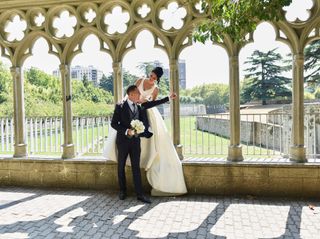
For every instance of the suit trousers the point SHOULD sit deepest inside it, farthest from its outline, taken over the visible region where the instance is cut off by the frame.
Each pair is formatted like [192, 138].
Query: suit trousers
[131, 147]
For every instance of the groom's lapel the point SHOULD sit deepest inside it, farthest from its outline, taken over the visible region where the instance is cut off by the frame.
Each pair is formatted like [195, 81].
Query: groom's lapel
[126, 106]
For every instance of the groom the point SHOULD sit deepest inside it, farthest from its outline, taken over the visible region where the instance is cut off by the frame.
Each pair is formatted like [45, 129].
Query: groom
[127, 143]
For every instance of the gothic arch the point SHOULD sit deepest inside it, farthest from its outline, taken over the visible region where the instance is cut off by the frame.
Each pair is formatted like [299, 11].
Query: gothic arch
[132, 34]
[69, 52]
[6, 52]
[313, 26]
[283, 34]
[21, 52]
[178, 45]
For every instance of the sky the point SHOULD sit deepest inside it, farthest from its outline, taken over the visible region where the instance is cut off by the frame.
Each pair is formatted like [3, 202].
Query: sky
[205, 63]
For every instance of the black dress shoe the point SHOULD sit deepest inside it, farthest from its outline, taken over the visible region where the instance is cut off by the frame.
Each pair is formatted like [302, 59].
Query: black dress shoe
[122, 195]
[144, 199]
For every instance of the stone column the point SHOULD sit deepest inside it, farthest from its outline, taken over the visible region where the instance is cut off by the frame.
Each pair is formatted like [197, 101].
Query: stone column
[297, 150]
[20, 146]
[117, 81]
[68, 146]
[235, 149]
[175, 106]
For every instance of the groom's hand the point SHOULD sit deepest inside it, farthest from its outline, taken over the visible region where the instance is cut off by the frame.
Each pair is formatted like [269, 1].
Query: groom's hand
[130, 132]
[173, 95]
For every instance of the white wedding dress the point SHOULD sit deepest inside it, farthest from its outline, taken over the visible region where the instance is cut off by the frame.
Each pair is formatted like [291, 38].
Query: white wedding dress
[158, 155]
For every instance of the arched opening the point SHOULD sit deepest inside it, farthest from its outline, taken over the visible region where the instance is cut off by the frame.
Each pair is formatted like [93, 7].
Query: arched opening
[92, 90]
[43, 100]
[139, 62]
[266, 94]
[6, 106]
[312, 98]
[204, 101]
[143, 58]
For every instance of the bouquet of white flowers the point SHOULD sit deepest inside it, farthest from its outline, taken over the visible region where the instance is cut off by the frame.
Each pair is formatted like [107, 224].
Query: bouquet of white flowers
[137, 126]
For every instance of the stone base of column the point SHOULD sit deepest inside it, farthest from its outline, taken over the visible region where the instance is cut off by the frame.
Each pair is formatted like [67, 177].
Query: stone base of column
[20, 151]
[179, 151]
[235, 153]
[68, 151]
[298, 154]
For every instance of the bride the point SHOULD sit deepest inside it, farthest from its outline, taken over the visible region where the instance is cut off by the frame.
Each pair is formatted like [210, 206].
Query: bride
[158, 155]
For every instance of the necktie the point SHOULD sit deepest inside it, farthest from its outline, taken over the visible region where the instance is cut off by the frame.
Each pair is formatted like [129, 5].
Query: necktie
[134, 108]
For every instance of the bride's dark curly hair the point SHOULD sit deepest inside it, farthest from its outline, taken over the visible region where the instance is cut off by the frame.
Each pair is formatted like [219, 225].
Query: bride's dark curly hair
[159, 72]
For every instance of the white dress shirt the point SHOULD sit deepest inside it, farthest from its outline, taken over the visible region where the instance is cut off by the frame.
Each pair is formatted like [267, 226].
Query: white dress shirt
[130, 103]
[132, 108]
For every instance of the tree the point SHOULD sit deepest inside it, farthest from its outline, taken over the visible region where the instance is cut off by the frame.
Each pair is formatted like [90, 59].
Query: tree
[43, 96]
[218, 94]
[147, 66]
[85, 80]
[245, 91]
[42, 86]
[128, 79]
[164, 86]
[264, 80]
[106, 83]
[312, 63]
[36, 77]
[208, 94]
[5, 83]
[236, 17]
[317, 94]
[42, 79]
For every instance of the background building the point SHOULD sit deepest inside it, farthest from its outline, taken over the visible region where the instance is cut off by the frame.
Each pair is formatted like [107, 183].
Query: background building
[78, 72]
[182, 74]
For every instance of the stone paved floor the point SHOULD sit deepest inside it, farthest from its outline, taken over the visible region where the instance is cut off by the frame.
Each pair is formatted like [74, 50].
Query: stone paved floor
[41, 213]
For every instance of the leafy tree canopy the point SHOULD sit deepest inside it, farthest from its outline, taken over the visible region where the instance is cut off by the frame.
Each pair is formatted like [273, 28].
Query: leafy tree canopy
[236, 17]
[43, 96]
[264, 79]
[5, 83]
[312, 63]
[208, 94]
[106, 83]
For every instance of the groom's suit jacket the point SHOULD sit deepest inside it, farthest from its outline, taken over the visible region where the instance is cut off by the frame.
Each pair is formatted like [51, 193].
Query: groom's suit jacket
[121, 118]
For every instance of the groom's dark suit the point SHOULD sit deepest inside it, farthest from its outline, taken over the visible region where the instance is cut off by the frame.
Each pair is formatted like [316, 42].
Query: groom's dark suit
[121, 120]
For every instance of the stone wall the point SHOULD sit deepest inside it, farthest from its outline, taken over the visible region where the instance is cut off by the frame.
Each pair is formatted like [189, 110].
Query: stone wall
[286, 179]
[311, 126]
[90, 174]
[254, 133]
[297, 180]
[274, 133]
[185, 109]
[218, 126]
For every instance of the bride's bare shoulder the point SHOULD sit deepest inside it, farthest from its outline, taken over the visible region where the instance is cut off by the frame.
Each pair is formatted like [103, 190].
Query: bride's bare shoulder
[138, 82]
